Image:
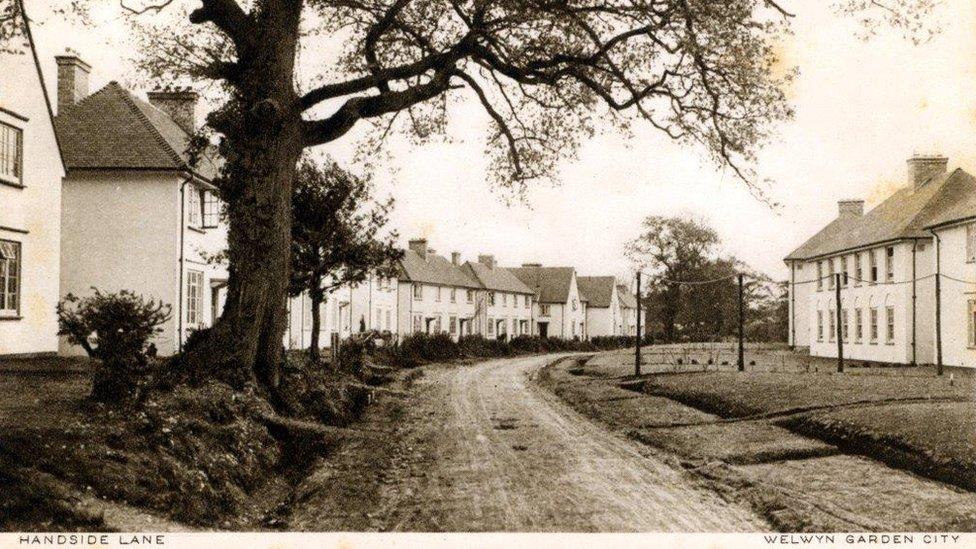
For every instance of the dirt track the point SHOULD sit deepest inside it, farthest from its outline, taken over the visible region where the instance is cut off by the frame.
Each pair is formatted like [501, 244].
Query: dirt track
[487, 450]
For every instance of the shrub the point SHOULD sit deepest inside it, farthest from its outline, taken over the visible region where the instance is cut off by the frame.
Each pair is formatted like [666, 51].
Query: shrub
[114, 328]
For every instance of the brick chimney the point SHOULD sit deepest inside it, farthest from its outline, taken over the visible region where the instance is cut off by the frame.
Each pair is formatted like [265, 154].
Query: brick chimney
[487, 260]
[922, 168]
[537, 265]
[72, 79]
[179, 103]
[853, 208]
[456, 258]
[419, 246]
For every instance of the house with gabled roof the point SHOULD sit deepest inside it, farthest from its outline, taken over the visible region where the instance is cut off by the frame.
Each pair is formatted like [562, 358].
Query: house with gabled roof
[954, 230]
[31, 169]
[884, 264]
[603, 314]
[558, 310]
[507, 310]
[435, 294]
[136, 213]
[628, 310]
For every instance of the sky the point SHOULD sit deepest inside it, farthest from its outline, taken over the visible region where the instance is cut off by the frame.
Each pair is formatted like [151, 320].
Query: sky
[862, 109]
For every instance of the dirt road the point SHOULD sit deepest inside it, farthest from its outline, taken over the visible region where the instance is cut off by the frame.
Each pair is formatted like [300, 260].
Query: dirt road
[487, 450]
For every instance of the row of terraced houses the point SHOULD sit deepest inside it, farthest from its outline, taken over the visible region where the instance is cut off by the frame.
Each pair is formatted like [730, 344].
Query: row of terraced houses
[97, 191]
[433, 294]
[905, 271]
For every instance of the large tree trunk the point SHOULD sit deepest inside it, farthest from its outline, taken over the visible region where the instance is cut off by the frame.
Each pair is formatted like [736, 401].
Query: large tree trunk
[313, 347]
[262, 141]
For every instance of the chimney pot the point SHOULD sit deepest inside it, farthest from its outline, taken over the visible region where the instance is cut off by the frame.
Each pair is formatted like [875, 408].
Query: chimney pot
[456, 258]
[922, 168]
[179, 103]
[851, 207]
[72, 79]
[419, 246]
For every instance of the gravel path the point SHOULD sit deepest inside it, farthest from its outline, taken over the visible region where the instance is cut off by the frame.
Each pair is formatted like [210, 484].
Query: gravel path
[487, 450]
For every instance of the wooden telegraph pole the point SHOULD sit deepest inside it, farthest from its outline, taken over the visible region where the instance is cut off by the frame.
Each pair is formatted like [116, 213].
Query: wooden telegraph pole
[840, 327]
[742, 323]
[637, 348]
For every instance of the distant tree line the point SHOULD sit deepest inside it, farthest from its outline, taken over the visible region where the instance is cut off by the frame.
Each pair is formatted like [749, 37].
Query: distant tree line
[690, 292]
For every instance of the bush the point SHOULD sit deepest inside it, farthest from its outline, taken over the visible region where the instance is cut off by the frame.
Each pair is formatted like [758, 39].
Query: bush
[115, 329]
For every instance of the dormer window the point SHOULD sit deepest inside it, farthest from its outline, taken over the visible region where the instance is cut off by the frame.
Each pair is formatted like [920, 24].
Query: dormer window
[11, 155]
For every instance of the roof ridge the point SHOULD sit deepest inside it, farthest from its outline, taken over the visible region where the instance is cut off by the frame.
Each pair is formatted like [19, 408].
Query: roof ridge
[130, 101]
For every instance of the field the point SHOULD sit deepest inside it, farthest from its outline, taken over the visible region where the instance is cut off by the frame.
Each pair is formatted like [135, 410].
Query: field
[811, 449]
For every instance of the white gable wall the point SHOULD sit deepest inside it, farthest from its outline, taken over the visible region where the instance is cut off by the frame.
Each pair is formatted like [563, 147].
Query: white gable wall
[29, 214]
[957, 298]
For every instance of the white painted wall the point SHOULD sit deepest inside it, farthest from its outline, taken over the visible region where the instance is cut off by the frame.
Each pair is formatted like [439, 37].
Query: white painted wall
[435, 303]
[865, 296]
[510, 311]
[956, 298]
[30, 215]
[121, 231]
[605, 321]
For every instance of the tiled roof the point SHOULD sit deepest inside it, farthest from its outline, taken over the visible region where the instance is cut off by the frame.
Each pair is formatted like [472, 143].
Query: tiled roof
[434, 269]
[597, 290]
[957, 204]
[904, 214]
[550, 284]
[113, 129]
[496, 278]
[627, 299]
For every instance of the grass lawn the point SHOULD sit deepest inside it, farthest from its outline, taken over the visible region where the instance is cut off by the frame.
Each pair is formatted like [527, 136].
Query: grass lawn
[937, 440]
[740, 394]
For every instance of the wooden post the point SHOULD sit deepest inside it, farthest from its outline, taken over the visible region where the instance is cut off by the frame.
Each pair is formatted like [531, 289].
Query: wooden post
[938, 321]
[742, 322]
[840, 327]
[637, 348]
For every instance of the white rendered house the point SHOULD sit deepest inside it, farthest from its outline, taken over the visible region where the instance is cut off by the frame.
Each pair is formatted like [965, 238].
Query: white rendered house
[135, 215]
[886, 262]
[507, 301]
[435, 295]
[604, 316]
[955, 261]
[31, 170]
[558, 309]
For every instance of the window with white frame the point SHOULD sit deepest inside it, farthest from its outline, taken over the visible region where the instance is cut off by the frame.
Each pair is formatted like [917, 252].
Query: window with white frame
[832, 325]
[212, 208]
[858, 325]
[890, 332]
[971, 243]
[453, 295]
[418, 291]
[437, 325]
[843, 272]
[575, 304]
[437, 296]
[11, 154]
[889, 264]
[418, 323]
[504, 300]
[972, 323]
[845, 325]
[452, 325]
[470, 296]
[528, 302]
[874, 324]
[491, 298]
[388, 322]
[830, 274]
[873, 262]
[491, 326]
[820, 276]
[858, 270]
[820, 325]
[194, 297]
[194, 207]
[10, 269]
[543, 309]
